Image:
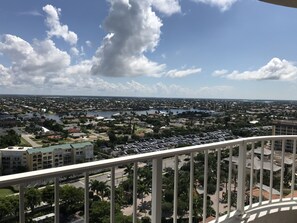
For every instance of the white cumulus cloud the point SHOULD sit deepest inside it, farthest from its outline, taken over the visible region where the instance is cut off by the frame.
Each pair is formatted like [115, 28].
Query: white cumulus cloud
[183, 73]
[275, 69]
[83, 67]
[223, 5]
[74, 51]
[168, 7]
[5, 76]
[32, 63]
[133, 30]
[56, 28]
[219, 73]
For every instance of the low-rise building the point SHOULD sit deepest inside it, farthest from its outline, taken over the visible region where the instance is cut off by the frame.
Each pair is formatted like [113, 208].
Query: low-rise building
[14, 158]
[83, 152]
[284, 127]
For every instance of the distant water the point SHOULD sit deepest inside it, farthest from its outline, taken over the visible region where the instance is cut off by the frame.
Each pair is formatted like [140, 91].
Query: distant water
[108, 114]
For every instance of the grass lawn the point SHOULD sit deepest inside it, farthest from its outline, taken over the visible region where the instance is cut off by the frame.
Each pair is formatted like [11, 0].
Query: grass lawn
[24, 143]
[5, 191]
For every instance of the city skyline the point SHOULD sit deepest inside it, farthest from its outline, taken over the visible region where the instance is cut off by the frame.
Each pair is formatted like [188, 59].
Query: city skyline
[195, 48]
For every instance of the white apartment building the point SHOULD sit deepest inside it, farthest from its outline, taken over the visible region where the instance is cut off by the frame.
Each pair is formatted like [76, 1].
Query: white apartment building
[14, 159]
[284, 127]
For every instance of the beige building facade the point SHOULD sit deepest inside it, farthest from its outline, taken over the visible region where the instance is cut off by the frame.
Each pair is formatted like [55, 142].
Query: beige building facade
[16, 159]
[284, 127]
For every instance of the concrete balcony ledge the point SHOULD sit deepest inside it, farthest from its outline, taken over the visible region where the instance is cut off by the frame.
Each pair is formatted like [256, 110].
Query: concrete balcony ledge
[276, 211]
[284, 210]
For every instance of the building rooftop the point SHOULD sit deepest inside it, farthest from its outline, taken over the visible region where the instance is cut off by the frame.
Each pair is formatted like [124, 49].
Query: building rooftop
[266, 151]
[285, 122]
[49, 149]
[257, 164]
[57, 147]
[82, 144]
[16, 148]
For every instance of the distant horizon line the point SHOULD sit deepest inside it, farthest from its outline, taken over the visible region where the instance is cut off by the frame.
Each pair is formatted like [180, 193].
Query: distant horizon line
[149, 97]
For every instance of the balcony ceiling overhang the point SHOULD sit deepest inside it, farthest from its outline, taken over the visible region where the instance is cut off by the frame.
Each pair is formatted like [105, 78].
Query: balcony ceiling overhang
[288, 3]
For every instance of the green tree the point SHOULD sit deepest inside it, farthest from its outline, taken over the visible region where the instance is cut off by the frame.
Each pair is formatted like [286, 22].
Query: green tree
[99, 212]
[10, 139]
[72, 198]
[14, 204]
[198, 207]
[5, 207]
[32, 198]
[129, 170]
[112, 137]
[145, 219]
[48, 194]
[100, 188]
[167, 209]
[145, 175]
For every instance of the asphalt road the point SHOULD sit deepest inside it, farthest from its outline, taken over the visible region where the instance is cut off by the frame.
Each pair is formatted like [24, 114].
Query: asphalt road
[30, 141]
[119, 173]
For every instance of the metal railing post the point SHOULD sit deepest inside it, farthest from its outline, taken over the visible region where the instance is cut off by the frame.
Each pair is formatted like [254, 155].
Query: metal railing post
[191, 188]
[87, 202]
[135, 174]
[241, 177]
[205, 185]
[282, 170]
[22, 204]
[217, 209]
[157, 190]
[293, 169]
[57, 200]
[261, 173]
[229, 180]
[175, 189]
[112, 195]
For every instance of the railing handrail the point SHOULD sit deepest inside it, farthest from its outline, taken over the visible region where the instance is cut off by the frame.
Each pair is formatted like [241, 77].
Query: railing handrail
[26, 177]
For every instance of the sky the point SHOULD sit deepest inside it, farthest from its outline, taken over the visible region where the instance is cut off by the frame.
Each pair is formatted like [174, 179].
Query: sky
[241, 49]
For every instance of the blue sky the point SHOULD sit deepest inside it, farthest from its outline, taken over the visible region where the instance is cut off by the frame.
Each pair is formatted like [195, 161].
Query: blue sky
[242, 49]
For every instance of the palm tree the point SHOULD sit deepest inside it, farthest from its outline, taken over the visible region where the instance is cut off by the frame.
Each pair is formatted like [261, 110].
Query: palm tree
[103, 189]
[94, 184]
[142, 190]
[129, 170]
[100, 188]
[145, 175]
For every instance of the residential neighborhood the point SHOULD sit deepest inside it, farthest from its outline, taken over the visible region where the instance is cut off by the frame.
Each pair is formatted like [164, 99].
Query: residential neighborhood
[121, 126]
[43, 132]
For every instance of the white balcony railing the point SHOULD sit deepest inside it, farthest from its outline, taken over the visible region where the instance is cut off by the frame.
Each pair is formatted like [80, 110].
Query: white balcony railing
[241, 154]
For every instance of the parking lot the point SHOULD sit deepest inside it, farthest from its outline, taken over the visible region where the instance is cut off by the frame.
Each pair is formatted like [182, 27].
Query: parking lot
[151, 145]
